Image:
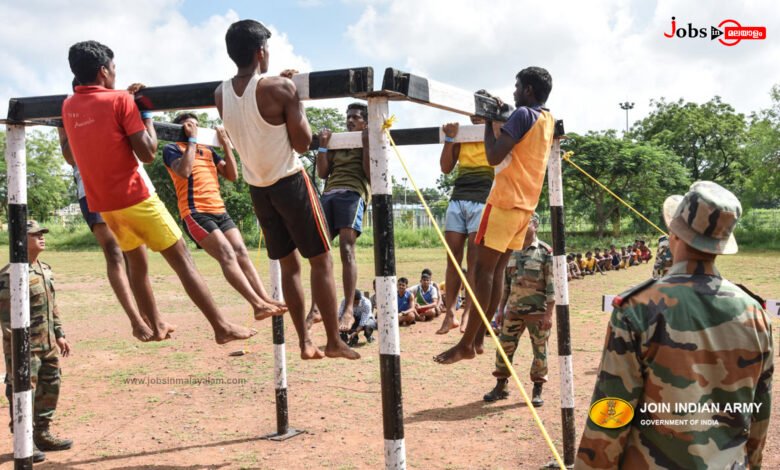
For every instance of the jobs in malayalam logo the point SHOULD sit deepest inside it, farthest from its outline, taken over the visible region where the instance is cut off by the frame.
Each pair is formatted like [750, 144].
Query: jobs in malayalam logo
[728, 32]
[611, 413]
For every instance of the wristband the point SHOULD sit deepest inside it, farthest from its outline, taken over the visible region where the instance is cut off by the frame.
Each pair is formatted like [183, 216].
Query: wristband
[146, 114]
[192, 140]
[449, 139]
[322, 150]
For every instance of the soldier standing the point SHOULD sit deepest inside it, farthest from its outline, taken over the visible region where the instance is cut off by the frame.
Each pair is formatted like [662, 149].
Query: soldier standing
[529, 305]
[691, 353]
[663, 257]
[46, 336]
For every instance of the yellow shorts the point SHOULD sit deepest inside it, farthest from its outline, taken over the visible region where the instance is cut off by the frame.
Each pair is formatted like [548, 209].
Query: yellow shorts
[503, 229]
[146, 223]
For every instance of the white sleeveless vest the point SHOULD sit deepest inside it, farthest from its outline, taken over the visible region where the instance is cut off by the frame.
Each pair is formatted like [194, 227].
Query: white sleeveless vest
[264, 149]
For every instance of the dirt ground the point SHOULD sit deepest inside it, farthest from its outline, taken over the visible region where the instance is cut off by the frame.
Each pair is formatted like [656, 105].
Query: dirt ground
[217, 423]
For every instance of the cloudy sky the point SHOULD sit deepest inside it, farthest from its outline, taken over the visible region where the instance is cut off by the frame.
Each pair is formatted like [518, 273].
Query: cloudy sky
[599, 52]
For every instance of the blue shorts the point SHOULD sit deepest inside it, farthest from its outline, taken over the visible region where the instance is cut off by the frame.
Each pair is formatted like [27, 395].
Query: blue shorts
[91, 218]
[343, 209]
[463, 216]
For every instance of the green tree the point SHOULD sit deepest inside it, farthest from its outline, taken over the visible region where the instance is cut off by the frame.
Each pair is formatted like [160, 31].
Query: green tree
[48, 182]
[762, 188]
[710, 138]
[641, 174]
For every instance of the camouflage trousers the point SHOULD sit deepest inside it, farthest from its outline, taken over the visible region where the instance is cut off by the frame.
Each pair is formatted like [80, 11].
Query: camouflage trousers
[45, 381]
[512, 328]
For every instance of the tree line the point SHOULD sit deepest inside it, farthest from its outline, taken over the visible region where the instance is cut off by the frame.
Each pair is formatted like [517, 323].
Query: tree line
[677, 143]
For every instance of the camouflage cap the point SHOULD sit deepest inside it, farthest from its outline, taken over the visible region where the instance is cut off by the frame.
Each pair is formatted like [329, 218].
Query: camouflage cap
[705, 218]
[34, 227]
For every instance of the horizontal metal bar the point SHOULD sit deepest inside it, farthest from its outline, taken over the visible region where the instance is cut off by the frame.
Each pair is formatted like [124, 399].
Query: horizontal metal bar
[353, 82]
[439, 95]
[412, 136]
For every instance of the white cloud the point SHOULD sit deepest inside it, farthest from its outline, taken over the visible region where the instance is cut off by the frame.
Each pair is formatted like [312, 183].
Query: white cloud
[153, 43]
[599, 53]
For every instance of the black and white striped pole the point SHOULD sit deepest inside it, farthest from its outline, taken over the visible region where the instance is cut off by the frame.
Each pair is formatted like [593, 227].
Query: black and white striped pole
[555, 186]
[20, 297]
[386, 292]
[283, 430]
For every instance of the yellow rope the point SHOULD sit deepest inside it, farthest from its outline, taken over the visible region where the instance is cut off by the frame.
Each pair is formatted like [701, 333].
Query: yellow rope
[386, 128]
[567, 157]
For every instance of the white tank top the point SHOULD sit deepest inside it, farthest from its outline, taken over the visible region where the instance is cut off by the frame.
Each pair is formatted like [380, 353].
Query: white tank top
[264, 149]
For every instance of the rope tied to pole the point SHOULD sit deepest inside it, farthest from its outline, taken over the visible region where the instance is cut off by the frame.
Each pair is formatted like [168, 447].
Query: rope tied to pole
[386, 128]
[567, 157]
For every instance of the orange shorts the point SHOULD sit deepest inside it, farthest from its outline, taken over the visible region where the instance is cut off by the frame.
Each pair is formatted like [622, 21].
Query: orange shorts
[503, 229]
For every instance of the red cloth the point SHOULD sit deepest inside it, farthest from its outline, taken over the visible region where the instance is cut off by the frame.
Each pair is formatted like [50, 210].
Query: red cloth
[98, 122]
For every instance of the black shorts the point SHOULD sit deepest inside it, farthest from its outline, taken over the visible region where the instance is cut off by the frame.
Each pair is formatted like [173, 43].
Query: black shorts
[91, 218]
[343, 209]
[199, 225]
[291, 217]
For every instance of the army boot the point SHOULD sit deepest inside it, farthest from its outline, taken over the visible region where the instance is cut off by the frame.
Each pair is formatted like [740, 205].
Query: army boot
[536, 399]
[38, 456]
[44, 440]
[499, 392]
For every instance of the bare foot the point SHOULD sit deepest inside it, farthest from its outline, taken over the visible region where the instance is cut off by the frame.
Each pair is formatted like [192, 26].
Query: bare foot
[162, 331]
[347, 319]
[479, 349]
[233, 332]
[143, 333]
[266, 310]
[449, 323]
[275, 302]
[464, 319]
[340, 349]
[455, 354]
[313, 317]
[310, 351]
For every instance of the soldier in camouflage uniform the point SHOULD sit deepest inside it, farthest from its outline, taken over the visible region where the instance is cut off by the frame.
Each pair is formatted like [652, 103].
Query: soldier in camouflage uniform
[46, 336]
[528, 291]
[663, 257]
[689, 339]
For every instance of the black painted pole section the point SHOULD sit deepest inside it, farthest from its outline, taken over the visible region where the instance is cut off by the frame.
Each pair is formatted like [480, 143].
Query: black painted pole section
[283, 431]
[22, 399]
[555, 185]
[386, 292]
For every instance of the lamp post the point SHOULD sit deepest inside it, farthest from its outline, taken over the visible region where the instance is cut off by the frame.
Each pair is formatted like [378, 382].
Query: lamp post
[626, 106]
[404, 180]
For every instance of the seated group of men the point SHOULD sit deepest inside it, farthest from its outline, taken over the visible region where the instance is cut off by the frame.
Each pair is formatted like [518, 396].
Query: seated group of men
[608, 260]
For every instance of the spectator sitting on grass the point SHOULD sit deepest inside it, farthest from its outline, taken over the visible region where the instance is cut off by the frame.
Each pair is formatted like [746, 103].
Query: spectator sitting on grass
[614, 258]
[426, 298]
[406, 315]
[573, 268]
[363, 319]
[644, 252]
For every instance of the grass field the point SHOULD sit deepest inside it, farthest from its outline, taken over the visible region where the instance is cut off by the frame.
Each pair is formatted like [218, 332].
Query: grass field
[214, 407]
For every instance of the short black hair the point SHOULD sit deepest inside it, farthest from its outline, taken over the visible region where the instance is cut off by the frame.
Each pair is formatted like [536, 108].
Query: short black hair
[74, 84]
[86, 58]
[243, 39]
[539, 79]
[181, 117]
[426, 271]
[404, 280]
[363, 108]
[358, 294]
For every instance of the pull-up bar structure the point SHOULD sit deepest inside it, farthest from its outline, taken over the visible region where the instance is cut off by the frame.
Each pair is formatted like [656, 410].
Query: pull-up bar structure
[354, 82]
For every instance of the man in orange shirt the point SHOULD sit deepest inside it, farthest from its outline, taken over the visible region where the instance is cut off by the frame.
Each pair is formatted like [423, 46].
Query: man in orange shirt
[193, 169]
[520, 154]
[105, 132]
